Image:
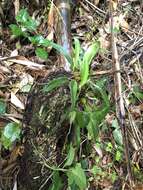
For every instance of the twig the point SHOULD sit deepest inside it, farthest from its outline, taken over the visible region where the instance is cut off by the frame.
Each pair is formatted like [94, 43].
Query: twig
[120, 109]
[95, 7]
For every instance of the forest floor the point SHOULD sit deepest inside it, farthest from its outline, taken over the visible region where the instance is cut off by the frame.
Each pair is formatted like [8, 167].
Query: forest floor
[112, 165]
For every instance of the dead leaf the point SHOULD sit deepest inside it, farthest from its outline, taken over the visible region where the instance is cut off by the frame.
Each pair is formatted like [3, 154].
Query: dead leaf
[16, 6]
[15, 101]
[51, 20]
[14, 53]
[96, 2]
[23, 61]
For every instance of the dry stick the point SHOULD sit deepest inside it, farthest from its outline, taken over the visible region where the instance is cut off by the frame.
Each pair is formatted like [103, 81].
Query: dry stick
[120, 109]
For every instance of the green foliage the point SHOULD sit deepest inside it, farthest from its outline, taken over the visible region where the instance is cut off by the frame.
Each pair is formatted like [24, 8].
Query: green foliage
[42, 53]
[85, 64]
[89, 105]
[16, 30]
[70, 156]
[26, 26]
[118, 156]
[55, 83]
[25, 21]
[117, 133]
[77, 176]
[2, 107]
[73, 90]
[10, 133]
[56, 181]
[76, 58]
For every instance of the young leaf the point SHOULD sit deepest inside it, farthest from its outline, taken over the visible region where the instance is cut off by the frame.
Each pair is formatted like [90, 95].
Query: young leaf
[70, 156]
[2, 107]
[88, 56]
[96, 170]
[55, 83]
[10, 133]
[76, 175]
[16, 31]
[26, 21]
[56, 181]
[73, 91]
[31, 24]
[77, 50]
[22, 16]
[91, 52]
[118, 156]
[39, 40]
[40, 52]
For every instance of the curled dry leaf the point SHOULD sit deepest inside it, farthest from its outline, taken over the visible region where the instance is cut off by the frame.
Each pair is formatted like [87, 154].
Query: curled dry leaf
[22, 61]
[14, 53]
[15, 101]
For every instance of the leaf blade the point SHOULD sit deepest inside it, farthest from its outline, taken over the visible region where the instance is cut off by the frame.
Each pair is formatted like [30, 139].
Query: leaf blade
[55, 83]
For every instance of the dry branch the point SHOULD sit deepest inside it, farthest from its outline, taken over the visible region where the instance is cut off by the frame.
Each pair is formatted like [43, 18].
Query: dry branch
[120, 108]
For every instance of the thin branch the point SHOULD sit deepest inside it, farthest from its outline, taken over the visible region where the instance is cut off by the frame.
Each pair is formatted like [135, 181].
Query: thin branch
[120, 109]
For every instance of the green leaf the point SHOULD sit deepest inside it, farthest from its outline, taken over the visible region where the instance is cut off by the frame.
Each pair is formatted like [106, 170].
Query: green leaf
[77, 137]
[16, 30]
[31, 25]
[22, 16]
[118, 156]
[84, 73]
[55, 83]
[82, 119]
[2, 107]
[115, 124]
[100, 87]
[39, 40]
[114, 176]
[92, 132]
[88, 56]
[96, 170]
[118, 136]
[72, 116]
[70, 156]
[24, 19]
[10, 133]
[77, 50]
[42, 53]
[26, 88]
[109, 147]
[5, 142]
[62, 51]
[138, 93]
[91, 52]
[76, 175]
[56, 181]
[73, 91]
